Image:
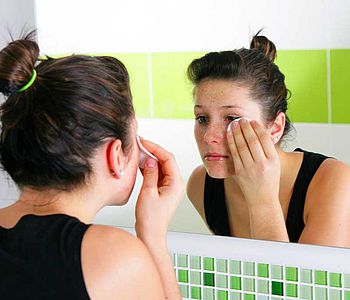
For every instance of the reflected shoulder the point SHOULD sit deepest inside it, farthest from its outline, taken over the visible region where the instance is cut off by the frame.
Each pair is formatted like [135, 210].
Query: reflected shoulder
[114, 263]
[195, 189]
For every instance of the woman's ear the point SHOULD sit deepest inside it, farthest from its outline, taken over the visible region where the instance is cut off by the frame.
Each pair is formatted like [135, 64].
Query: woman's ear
[277, 128]
[115, 158]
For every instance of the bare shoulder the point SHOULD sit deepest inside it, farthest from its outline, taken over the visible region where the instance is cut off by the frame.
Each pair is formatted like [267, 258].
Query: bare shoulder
[195, 188]
[114, 264]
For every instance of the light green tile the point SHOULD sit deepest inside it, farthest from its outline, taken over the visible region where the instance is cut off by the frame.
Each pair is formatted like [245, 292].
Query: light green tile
[221, 281]
[249, 297]
[182, 276]
[320, 293]
[346, 281]
[235, 296]
[195, 277]
[335, 279]
[222, 295]
[196, 292]
[263, 270]
[221, 265]
[195, 262]
[340, 88]
[276, 272]
[306, 78]
[184, 290]
[208, 263]
[249, 268]
[236, 283]
[305, 292]
[263, 286]
[208, 294]
[262, 297]
[305, 276]
[346, 295]
[248, 284]
[334, 294]
[137, 65]
[172, 91]
[235, 267]
[291, 290]
[291, 273]
[320, 277]
[182, 261]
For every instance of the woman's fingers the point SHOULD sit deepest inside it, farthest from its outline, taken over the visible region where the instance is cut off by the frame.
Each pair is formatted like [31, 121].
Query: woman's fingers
[265, 140]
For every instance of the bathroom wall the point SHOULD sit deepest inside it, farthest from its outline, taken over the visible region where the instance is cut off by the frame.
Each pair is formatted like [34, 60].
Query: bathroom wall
[158, 39]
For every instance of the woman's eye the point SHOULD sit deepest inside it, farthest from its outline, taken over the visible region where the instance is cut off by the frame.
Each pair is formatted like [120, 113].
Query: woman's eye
[202, 119]
[232, 118]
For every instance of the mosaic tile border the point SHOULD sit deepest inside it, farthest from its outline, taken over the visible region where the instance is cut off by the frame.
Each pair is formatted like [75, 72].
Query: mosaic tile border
[208, 278]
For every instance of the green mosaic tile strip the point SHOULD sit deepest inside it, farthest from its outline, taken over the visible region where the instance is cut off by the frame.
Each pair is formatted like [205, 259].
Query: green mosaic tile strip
[236, 283]
[249, 297]
[195, 262]
[347, 281]
[263, 270]
[208, 294]
[182, 276]
[222, 295]
[291, 274]
[195, 277]
[305, 292]
[334, 294]
[263, 286]
[196, 292]
[347, 295]
[235, 296]
[182, 261]
[320, 293]
[249, 268]
[335, 280]
[248, 284]
[221, 281]
[340, 74]
[221, 265]
[184, 290]
[208, 264]
[277, 288]
[291, 290]
[235, 267]
[276, 272]
[321, 277]
[208, 279]
[306, 276]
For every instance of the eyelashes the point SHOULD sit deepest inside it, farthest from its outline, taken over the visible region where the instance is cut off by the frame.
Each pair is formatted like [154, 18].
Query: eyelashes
[202, 119]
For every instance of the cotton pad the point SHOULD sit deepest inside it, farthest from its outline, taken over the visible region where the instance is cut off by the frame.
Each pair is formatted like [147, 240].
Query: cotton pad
[236, 120]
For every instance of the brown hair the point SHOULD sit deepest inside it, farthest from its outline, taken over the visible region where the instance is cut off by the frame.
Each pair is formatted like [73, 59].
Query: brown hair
[50, 131]
[253, 67]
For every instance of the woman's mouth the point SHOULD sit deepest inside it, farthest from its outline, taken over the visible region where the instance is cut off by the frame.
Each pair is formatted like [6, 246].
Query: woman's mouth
[211, 156]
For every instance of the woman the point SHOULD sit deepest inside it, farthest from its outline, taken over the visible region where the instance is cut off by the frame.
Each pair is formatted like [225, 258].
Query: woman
[68, 140]
[248, 186]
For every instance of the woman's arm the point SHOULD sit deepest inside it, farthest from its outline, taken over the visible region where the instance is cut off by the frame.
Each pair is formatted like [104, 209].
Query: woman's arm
[327, 206]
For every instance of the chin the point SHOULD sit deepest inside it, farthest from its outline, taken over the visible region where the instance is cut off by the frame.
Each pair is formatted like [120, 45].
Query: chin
[219, 173]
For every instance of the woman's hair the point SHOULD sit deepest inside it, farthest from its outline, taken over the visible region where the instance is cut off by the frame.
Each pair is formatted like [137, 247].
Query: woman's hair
[253, 68]
[50, 131]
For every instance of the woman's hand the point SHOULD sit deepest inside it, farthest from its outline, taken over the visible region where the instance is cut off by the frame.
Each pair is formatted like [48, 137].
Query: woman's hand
[159, 196]
[256, 162]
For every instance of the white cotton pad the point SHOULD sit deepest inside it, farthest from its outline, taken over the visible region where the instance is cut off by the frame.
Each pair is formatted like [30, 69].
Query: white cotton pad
[144, 153]
[236, 120]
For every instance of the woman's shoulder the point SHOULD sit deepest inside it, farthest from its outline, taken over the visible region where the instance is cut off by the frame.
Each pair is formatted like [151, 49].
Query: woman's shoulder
[114, 263]
[196, 179]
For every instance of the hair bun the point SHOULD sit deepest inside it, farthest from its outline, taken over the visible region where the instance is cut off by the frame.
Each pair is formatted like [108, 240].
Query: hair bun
[263, 44]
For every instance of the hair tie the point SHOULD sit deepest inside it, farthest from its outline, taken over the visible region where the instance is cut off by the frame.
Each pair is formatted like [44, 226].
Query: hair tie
[29, 83]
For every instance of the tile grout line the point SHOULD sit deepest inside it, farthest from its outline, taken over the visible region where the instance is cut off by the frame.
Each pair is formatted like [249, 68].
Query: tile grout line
[150, 84]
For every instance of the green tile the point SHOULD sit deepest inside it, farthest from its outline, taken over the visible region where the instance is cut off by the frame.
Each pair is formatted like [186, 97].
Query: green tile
[276, 272]
[305, 276]
[249, 268]
[208, 279]
[321, 277]
[340, 88]
[222, 295]
[346, 295]
[184, 290]
[305, 292]
[277, 288]
[172, 91]
[291, 290]
[221, 281]
[221, 265]
[248, 284]
[335, 279]
[306, 78]
[182, 261]
[208, 264]
[137, 65]
[347, 281]
[236, 283]
[196, 292]
[195, 277]
[208, 294]
[262, 297]
[249, 297]
[235, 267]
[182, 276]
[334, 294]
[291, 274]
[263, 270]
[263, 286]
[195, 262]
[235, 296]
[320, 293]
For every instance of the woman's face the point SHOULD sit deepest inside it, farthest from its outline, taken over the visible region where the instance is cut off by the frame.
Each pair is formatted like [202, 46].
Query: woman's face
[217, 103]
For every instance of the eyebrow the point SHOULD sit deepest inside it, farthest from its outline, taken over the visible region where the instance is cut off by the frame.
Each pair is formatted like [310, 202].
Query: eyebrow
[223, 106]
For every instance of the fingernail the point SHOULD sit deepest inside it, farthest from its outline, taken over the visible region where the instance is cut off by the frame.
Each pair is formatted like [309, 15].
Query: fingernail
[151, 163]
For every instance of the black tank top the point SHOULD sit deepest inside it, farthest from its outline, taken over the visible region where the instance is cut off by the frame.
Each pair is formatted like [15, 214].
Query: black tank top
[215, 205]
[40, 258]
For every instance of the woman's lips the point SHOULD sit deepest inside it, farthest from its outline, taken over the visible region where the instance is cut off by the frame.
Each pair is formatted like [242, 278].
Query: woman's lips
[215, 157]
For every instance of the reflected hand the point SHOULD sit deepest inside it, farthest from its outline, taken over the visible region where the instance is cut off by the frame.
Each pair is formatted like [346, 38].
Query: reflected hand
[256, 162]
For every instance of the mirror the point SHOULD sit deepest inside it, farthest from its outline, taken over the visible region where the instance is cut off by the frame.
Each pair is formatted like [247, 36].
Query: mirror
[158, 39]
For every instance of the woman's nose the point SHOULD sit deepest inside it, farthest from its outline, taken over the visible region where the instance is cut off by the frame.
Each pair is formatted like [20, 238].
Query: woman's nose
[214, 134]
